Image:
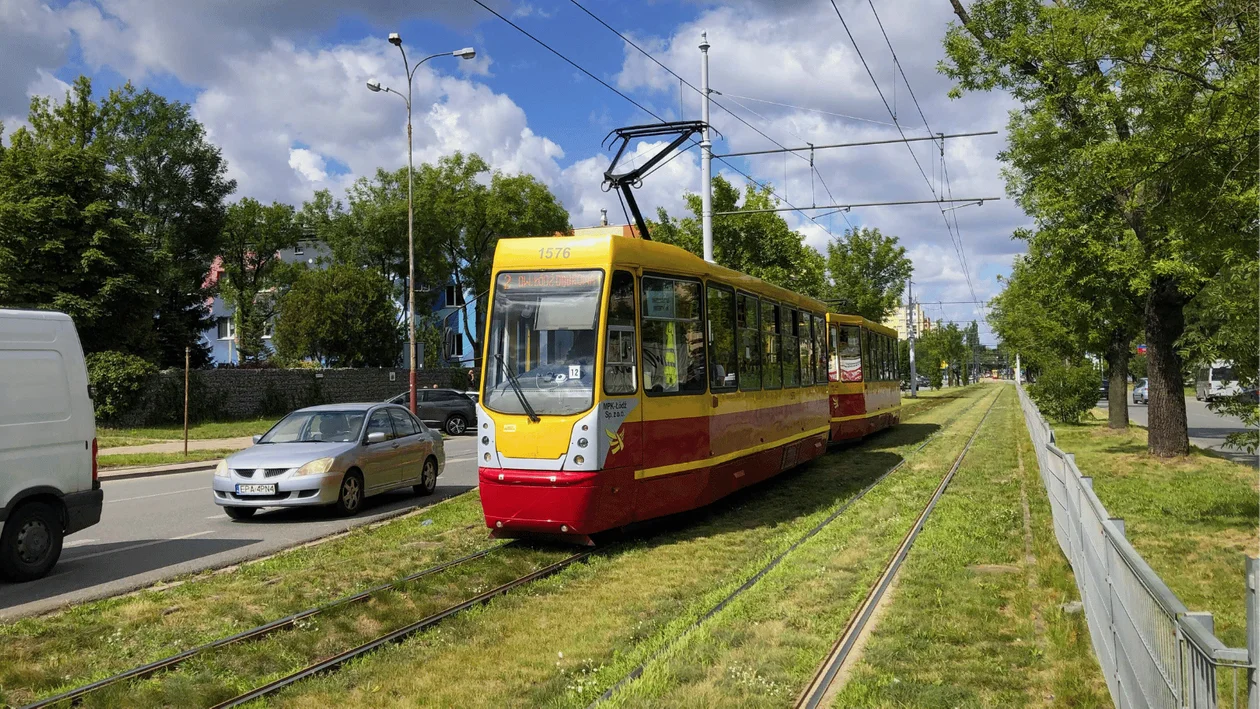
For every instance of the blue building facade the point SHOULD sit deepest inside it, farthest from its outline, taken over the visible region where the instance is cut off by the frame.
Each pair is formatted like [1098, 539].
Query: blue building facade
[446, 307]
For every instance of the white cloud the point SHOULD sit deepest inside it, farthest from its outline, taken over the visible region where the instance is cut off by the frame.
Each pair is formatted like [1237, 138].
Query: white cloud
[309, 164]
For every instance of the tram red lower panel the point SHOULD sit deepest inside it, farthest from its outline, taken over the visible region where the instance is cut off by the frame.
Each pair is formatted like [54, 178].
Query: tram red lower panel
[578, 504]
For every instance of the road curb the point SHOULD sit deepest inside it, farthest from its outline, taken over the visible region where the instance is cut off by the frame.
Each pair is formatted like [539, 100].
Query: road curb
[153, 470]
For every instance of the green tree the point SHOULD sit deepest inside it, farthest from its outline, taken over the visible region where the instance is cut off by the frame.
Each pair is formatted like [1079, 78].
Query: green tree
[867, 272]
[759, 244]
[464, 217]
[66, 244]
[254, 275]
[1134, 115]
[342, 317]
[171, 183]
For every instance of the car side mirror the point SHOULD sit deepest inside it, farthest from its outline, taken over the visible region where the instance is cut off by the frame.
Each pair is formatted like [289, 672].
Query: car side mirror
[257, 438]
[376, 437]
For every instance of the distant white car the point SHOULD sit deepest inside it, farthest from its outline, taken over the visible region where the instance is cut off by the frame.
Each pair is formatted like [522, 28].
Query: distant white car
[1216, 382]
[48, 483]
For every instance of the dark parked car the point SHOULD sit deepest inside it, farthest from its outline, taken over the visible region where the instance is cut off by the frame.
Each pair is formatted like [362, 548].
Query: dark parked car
[447, 409]
[1104, 390]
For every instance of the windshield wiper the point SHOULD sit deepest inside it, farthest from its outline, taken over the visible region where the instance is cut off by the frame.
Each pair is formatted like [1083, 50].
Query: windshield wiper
[516, 387]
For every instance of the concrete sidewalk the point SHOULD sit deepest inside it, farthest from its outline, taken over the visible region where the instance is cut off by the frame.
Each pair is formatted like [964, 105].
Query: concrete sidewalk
[177, 446]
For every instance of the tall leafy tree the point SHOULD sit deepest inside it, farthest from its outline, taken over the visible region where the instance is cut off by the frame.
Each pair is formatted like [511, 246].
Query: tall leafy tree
[759, 244]
[342, 316]
[868, 272]
[464, 215]
[66, 244]
[253, 274]
[1143, 113]
[170, 181]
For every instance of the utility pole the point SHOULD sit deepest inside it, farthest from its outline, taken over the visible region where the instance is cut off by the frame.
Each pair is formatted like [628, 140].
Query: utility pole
[706, 153]
[914, 374]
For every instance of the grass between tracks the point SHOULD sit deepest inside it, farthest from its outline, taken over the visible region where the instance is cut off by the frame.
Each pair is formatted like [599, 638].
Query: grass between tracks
[1193, 519]
[977, 618]
[564, 640]
[41, 656]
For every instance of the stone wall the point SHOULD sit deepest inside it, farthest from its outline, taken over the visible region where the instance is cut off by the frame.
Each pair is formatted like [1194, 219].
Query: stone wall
[226, 394]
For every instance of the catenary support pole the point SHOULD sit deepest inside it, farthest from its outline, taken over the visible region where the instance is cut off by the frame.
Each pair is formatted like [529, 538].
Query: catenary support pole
[187, 361]
[706, 153]
[914, 374]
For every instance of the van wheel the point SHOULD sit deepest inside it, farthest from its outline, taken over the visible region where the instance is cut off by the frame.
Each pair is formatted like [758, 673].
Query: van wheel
[428, 477]
[240, 512]
[456, 425]
[31, 542]
[349, 495]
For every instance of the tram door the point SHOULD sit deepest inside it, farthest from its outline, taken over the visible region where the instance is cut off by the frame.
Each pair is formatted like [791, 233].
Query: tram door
[621, 416]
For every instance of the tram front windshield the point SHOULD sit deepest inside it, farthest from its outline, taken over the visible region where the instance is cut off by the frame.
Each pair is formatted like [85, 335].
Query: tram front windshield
[543, 330]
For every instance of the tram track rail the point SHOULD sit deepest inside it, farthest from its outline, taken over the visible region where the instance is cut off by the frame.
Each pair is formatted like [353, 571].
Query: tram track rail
[336, 661]
[639, 669]
[821, 683]
[171, 662]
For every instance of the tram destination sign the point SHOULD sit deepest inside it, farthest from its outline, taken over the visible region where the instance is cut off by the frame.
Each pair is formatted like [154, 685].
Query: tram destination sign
[540, 280]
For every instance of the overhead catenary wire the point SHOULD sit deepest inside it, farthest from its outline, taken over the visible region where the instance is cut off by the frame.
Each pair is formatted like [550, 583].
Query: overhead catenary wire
[884, 100]
[802, 108]
[647, 54]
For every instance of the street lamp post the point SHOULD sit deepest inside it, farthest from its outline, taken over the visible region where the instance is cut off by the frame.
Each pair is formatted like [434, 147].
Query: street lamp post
[375, 86]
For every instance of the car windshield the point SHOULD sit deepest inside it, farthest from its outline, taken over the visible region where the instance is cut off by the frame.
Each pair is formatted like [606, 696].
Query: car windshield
[316, 427]
[542, 331]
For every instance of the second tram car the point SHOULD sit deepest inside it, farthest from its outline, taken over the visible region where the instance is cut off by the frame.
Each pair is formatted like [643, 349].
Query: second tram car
[625, 379]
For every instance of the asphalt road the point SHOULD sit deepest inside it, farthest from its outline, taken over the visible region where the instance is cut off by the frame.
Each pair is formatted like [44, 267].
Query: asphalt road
[1207, 430]
[158, 527]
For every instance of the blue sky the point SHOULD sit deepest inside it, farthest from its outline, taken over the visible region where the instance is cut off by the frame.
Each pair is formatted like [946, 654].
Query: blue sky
[280, 87]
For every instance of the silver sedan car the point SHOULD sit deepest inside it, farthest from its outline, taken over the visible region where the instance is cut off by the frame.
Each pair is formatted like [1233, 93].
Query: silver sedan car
[335, 454]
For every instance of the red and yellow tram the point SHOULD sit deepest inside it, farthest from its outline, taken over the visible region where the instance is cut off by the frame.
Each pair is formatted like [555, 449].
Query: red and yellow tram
[624, 380]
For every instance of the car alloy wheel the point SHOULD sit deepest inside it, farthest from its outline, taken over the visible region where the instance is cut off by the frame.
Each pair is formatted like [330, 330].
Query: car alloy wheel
[456, 425]
[351, 494]
[428, 477]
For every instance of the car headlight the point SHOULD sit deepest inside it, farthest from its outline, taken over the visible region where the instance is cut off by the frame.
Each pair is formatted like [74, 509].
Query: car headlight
[221, 470]
[316, 467]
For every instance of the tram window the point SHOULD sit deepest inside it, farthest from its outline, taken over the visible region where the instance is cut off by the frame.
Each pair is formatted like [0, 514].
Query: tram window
[820, 350]
[833, 352]
[850, 354]
[748, 322]
[772, 366]
[673, 336]
[619, 348]
[791, 349]
[721, 326]
[803, 331]
[883, 356]
[889, 365]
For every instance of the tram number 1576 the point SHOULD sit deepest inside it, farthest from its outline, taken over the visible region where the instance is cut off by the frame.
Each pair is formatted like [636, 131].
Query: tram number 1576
[554, 252]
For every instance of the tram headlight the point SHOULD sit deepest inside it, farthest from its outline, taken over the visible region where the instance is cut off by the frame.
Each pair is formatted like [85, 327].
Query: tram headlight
[486, 457]
[581, 443]
[485, 440]
[578, 460]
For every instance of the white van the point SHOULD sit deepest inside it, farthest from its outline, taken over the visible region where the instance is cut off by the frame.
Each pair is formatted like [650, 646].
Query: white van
[48, 483]
[1216, 382]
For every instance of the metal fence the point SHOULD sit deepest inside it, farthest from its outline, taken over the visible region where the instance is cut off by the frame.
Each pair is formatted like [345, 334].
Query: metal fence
[1154, 651]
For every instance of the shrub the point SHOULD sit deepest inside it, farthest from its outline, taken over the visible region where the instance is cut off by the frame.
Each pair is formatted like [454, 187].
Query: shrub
[118, 379]
[1065, 393]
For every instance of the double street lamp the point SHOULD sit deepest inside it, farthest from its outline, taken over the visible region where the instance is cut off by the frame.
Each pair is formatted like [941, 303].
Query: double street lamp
[375, 86]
